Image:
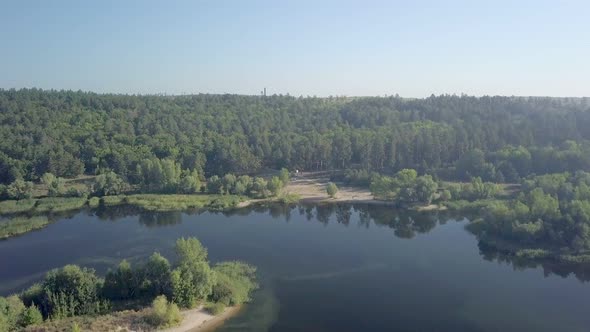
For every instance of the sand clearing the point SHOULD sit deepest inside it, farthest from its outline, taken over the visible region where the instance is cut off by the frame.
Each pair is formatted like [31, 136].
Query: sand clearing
[312, 188]
[200, 320]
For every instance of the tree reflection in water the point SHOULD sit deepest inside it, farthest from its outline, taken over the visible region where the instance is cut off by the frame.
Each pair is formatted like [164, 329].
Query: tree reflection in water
[404, 223]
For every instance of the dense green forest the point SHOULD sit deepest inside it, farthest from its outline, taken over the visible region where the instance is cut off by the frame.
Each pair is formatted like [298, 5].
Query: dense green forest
[499, 139]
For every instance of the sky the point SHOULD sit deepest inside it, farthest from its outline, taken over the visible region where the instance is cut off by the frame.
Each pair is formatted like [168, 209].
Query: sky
[322, 48]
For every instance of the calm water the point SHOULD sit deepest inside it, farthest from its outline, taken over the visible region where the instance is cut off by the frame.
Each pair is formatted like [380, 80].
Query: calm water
[334, 268]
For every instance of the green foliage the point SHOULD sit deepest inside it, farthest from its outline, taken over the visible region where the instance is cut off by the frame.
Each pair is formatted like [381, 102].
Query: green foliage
[11, 309]
[234, 283]
[215, 308]
[193, 279]
[107, 184]
[31, 316]
[59, 204]
[274, 185]
[446, 195]
[164, 314]
[20, 225]
[406, 186]
[55, 185]
[284, 176]
[71, 291]
[157, 276]
[121, 284]
[76, 327]
[93, 202]
[190, 183]
[20, 189]
[331, 189]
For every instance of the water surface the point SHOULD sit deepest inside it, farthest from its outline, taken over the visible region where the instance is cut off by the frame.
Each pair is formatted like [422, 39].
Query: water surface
[327, 268]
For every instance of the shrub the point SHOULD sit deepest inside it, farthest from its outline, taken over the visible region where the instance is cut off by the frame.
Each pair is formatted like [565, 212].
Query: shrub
[233, 283]
[20, 189]
[215, 308]
[163, 313]
[31, 316]
[332, 189]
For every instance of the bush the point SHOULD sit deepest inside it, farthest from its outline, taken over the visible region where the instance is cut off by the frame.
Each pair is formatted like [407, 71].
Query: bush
[234, 282]
[163, 313]
[94, 202]
[20, 189]
[215, 308]
[31, 316]
[332, 189]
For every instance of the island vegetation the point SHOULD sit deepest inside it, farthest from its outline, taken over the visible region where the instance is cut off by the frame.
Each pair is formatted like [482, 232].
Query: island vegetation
[154, 292]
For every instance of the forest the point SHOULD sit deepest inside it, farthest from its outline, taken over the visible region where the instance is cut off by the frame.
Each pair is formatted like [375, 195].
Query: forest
[501, 139]
[453, 150]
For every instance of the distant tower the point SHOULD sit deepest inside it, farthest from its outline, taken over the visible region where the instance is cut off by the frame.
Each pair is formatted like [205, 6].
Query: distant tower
[265, 92]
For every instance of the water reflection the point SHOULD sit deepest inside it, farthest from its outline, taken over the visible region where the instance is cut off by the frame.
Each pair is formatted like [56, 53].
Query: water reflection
[550, 267]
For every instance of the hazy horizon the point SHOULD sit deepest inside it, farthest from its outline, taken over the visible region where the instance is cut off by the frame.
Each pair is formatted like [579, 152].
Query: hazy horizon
[300, 48]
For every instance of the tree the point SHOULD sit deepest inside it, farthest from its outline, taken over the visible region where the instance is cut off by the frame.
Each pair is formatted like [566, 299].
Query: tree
[71, 291]
[284, 176]
[20, 189]
[192, 280]
[123, 283]
[274, 185]
[55, 186]
[331, 189]
[446, 195]
[190, 182]
[425, 189]
[31, 316]
[157, 276]
[107, 184]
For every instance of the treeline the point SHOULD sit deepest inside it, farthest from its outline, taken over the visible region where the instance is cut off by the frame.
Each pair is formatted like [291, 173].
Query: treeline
[154, 176]
[550, 216]
[496, 138]
[73, 291]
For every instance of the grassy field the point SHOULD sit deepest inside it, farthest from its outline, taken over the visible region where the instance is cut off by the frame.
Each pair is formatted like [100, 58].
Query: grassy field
[20, 225]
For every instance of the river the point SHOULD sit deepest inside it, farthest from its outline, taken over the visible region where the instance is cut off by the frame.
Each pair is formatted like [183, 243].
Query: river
[326, 268]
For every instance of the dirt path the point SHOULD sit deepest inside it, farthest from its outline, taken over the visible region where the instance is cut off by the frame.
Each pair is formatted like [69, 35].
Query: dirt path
[199, 320]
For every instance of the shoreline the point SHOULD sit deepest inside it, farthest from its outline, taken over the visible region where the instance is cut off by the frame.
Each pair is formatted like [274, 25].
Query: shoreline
[199, 320]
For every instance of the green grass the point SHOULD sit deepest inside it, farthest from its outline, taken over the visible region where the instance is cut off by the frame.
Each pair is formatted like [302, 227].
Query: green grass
[182, 202]
[289, 198]
[60, 204]
[469, 206]
[113, 200]
[12, 206]
[94, 202]
[21, 225]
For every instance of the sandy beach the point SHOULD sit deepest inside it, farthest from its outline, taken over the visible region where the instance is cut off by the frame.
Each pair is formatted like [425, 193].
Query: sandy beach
[199, 320]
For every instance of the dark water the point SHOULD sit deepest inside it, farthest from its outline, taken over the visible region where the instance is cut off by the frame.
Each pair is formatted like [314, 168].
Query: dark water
[333, 268]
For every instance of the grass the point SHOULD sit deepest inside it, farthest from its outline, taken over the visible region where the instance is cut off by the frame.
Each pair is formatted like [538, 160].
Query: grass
[152, 202]
[469, 206]
[94, 202]
[21, 225]
[60, 204]
[289, 198]
[113, 200]
[12, 206]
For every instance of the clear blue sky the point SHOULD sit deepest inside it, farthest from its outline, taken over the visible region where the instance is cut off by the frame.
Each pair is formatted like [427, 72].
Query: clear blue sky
[413, 48]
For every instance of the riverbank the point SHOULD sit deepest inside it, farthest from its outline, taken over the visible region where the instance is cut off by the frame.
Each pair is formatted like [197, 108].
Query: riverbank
[200, 320]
